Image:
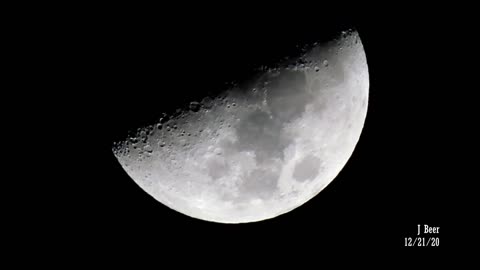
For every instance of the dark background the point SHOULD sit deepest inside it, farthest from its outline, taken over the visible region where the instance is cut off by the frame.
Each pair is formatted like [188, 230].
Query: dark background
[120, 67]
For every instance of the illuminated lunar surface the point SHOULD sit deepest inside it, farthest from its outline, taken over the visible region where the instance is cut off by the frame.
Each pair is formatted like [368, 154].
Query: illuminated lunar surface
[258, 150]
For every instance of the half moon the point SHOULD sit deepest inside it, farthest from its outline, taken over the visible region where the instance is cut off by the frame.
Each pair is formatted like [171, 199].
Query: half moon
[260, 149]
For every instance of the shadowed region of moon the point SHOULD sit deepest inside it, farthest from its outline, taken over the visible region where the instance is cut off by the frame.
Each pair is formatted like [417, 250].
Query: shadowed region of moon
[261, 134]
[289, 95]
[261, 147]
[260, 183]
[217, 167]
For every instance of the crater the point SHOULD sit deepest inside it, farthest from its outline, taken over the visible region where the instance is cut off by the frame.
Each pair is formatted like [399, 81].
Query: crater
[307, 168]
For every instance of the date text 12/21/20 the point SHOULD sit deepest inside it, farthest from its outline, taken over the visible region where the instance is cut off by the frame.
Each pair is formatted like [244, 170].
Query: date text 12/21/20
[422, 242]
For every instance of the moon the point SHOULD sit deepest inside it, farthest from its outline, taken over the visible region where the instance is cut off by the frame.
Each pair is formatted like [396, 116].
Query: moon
[262, 147]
